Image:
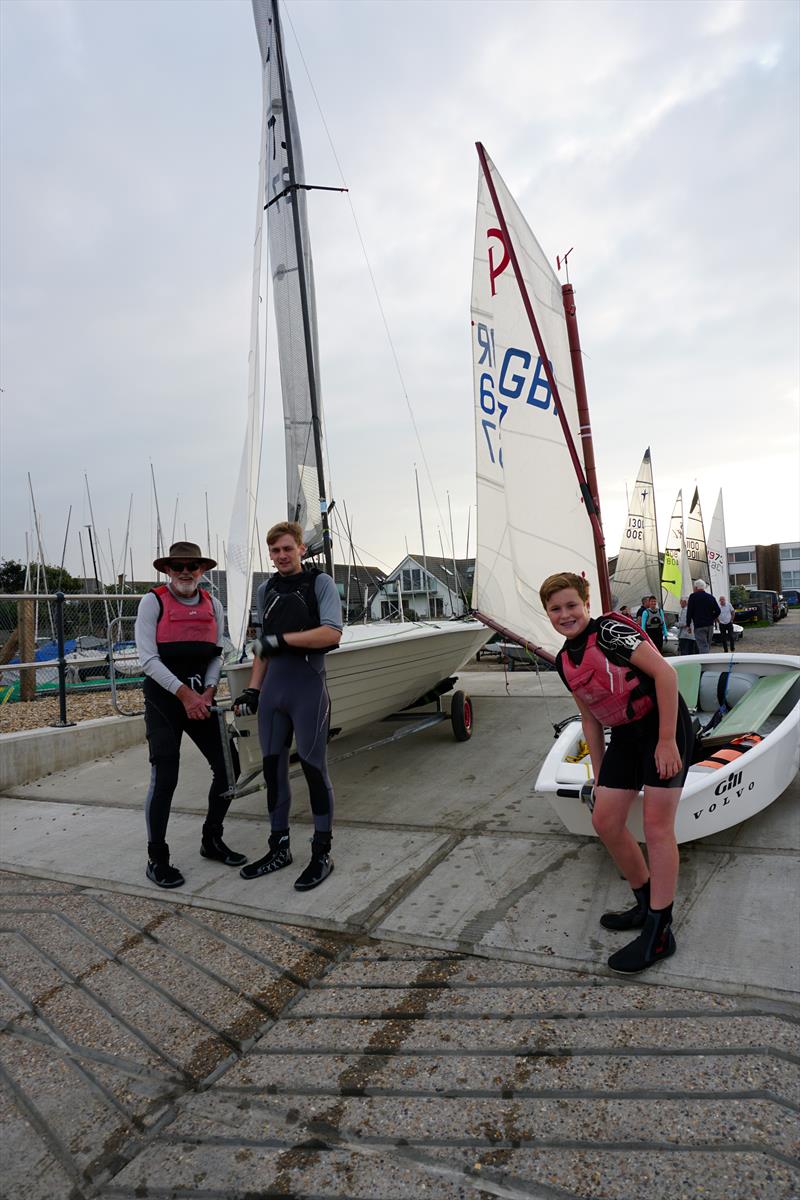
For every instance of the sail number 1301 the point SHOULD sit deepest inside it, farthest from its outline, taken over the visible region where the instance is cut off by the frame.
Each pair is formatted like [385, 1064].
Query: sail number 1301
[518, 374]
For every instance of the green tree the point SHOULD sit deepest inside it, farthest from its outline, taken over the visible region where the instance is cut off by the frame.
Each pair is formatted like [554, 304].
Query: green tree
[12, 578]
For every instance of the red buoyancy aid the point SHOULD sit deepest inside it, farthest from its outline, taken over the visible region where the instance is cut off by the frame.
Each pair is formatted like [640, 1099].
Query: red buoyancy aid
[611, 691]
[185, 622]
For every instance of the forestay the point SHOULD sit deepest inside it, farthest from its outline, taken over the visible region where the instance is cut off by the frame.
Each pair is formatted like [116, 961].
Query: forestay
[293, 313]
[718, 553]
[695, 536]
[637, 571]
[532, 520]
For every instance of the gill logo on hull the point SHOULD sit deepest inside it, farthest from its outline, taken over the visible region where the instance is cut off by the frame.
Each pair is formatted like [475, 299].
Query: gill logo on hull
[729, 789]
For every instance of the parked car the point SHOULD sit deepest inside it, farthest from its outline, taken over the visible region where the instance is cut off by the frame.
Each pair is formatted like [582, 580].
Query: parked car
[784, 606]
[770, 597]
[792, 597]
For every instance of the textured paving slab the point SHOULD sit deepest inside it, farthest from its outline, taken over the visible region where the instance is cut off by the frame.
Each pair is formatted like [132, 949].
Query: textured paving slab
[151, 1049]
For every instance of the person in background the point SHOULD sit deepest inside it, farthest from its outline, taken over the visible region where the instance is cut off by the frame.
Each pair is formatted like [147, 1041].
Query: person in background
[725, 622]
[626, 612]
[686, 638]
[300, 615]
[178, 636]
[653, 623]
[702, 611]
[642, 607]
[619, 680]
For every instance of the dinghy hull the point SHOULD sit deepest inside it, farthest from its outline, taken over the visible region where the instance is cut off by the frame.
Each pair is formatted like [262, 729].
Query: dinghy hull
[713, 799]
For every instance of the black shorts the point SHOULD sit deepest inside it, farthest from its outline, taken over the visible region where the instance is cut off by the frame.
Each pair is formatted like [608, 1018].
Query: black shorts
[629, 761]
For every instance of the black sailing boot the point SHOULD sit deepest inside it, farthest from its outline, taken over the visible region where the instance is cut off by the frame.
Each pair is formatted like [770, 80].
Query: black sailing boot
[655, 942]
[158, 868]
[320, 866]
[630, 918]
[212, 846]
[279, 855]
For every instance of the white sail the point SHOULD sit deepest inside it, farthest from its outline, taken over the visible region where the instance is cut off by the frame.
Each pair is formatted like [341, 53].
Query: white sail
[637, 572]
[676, 577]
[532, 521]
[718, 553]
[242, 530]
[695, 537]
[295, 311]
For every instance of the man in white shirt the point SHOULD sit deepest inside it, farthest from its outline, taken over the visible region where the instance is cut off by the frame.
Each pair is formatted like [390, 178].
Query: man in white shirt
[725, 622]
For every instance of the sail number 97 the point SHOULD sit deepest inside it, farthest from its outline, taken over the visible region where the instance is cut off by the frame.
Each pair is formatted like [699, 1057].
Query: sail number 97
[514, 378]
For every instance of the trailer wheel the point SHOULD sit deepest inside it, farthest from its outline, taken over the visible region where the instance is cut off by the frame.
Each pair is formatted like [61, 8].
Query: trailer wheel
[461, 716]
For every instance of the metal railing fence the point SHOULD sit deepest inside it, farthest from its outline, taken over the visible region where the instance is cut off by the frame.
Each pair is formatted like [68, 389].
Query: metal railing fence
[67, 643]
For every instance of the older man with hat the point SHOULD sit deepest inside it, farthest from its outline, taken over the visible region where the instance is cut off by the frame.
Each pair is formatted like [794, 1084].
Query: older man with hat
[179, 629]
[701, 613]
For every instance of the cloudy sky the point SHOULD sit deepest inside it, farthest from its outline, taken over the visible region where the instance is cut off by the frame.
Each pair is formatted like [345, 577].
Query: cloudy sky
[660, 140]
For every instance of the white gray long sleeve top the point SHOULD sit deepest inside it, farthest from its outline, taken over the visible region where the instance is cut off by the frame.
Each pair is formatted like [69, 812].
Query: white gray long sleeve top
[144, 634]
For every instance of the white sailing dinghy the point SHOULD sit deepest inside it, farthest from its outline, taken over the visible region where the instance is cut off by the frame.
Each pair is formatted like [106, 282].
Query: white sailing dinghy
[695, 538]
[380, 668]
[718, 573]
[535, 515]
[637, 571]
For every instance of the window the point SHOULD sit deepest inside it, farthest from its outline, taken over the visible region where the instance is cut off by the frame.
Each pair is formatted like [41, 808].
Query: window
[790, 552]
[412, 579]
[790, 579]
[743, 556]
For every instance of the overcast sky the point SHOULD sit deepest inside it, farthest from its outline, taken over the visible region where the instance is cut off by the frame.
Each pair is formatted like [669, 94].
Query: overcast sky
[658, 139]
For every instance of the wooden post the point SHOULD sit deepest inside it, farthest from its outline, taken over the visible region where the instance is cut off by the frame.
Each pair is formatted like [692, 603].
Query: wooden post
[27, 648]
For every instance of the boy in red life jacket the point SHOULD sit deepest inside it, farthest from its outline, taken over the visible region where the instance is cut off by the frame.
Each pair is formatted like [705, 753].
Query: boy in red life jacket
[619, 679]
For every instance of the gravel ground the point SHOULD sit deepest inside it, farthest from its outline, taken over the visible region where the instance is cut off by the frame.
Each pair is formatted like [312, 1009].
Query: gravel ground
[783, 638]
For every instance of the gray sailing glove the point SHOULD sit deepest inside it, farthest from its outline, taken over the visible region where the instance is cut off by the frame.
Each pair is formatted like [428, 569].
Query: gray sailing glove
[269, 646]
[247, 703]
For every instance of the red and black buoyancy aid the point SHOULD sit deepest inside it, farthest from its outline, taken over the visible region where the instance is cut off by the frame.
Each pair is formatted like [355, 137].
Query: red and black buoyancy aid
[186, 634]
[611, 689]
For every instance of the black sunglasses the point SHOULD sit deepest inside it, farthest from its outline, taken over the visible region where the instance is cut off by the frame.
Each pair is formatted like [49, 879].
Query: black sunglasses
[191, 565]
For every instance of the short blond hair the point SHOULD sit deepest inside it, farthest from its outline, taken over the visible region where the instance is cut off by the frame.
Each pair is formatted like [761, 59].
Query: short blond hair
[565, 579]
[293, 528]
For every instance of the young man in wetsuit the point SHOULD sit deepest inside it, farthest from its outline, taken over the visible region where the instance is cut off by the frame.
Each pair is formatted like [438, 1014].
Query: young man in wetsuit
[618, 679]
[179, 639]
[654, 623]
[300, 618]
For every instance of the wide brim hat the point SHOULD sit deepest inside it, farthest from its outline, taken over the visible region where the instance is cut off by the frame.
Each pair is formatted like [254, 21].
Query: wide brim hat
[184, 550]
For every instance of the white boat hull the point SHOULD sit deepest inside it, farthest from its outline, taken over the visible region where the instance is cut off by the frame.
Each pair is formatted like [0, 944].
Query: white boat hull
[711, 800]
[380, 669]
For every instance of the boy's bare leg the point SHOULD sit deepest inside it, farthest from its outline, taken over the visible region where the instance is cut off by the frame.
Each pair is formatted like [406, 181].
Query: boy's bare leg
[611, 808]
[660, 806]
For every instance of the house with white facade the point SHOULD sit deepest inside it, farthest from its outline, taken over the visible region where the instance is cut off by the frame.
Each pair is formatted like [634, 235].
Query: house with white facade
[776, 566]
[426, 588]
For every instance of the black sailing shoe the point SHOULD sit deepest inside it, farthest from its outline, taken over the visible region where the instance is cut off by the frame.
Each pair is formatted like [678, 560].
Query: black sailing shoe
[159, 869]
[279, 855]
[656, 941]
[630, 918]
[318, 869]
[212, 846]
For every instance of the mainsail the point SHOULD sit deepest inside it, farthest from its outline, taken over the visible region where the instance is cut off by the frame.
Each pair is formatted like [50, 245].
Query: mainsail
[695, 536]
[676, 580]
[637, 570]
[295, 306]
[532, 521]
[718, 553]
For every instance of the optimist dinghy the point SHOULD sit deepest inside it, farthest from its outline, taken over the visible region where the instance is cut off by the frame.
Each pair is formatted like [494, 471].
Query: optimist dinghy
[538, 514]
[741, 765]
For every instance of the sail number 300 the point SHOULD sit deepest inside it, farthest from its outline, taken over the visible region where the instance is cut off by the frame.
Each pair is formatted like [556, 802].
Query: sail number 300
[512, 380]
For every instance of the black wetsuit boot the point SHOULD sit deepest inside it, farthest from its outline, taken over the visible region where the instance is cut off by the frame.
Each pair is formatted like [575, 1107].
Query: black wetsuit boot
[212, 846]
[279, 855]
[320, 866]
[159, 869]
[630, 918]
[656, 941]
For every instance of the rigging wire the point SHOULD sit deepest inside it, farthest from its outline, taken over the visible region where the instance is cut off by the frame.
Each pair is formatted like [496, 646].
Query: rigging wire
[371, 273]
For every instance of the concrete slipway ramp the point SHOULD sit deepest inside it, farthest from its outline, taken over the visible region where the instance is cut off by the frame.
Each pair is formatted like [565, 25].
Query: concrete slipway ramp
[435, 1020]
